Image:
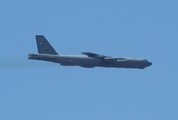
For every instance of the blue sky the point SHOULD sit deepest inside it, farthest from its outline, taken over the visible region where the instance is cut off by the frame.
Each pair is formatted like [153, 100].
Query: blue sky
[125, 28]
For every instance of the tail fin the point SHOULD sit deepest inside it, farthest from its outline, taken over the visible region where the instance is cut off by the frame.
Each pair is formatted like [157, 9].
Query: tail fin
[44, 46]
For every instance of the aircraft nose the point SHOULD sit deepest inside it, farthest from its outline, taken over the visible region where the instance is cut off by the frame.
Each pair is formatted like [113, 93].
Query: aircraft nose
[150, 63]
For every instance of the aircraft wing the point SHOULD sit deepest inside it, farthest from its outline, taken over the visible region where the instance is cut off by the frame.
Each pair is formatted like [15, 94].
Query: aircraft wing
[99, 56]
[94, 55]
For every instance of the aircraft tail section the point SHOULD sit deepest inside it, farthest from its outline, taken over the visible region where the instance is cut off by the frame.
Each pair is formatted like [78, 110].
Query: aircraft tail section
[44, 46]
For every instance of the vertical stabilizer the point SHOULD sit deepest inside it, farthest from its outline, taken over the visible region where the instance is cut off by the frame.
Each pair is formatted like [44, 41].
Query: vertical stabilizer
[44, 46]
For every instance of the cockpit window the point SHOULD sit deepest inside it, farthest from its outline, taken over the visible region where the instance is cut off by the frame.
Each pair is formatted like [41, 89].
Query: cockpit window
[145, 60]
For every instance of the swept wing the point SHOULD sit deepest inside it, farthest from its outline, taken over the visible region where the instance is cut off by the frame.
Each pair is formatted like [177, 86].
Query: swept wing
[94, 55]
[101, 57]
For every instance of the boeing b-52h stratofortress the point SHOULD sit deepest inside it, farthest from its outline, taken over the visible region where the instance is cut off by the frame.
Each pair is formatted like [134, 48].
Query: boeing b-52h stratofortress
[89, 60]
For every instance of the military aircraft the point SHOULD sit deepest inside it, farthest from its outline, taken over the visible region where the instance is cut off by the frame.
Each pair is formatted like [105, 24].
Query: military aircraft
[89, 60]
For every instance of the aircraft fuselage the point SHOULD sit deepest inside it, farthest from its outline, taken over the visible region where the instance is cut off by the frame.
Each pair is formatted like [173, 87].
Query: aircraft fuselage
[88, 62]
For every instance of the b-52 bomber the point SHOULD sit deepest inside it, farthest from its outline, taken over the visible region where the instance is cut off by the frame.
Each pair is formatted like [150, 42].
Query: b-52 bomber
[89, 60]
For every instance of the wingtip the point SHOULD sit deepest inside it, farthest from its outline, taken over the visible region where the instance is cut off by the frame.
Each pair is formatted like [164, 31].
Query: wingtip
[85, 53]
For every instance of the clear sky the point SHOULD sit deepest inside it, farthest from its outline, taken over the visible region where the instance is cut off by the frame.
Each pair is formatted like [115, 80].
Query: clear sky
[37, 90]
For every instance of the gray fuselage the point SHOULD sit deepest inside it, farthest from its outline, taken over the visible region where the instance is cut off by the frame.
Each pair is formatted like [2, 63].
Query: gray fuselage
[89, 62]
